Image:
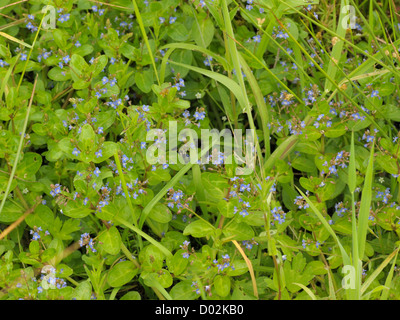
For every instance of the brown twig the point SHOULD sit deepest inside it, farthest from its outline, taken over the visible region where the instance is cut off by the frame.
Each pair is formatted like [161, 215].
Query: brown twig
[16, 223]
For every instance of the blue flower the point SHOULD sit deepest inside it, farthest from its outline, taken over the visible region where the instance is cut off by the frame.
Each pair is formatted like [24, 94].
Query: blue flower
[56, 189]
[172, 20]
[199, 115]
[113, 82]
[257, 38]
[375, 93]
[97, 172]
[76, 152]
[99, 153]
[3, 63]
[66, 59]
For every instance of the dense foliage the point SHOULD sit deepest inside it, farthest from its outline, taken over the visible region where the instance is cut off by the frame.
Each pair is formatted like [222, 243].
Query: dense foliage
[85, 214]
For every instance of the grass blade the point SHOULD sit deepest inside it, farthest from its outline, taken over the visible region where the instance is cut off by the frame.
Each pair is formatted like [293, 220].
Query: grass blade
[249, 266]
[7, 76]
[146, 39]
[5, 35]
[19, 150]
[307, 290]
[385, 292]
[345, 256]
[365, 204]
[378, 270]
[337, 48]
[144, 235]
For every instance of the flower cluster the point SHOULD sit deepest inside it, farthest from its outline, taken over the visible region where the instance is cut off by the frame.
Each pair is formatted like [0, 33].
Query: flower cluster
[49, 280]
[198, 116]
[385, 196]
[301, 202]
[36, 233]
[279, 33]
[176, 198]
[63, 17]
[225, 263]
[278, 214]
[248, 244]
[308, 242]
[87, 241]
[340, 160]
[312, 93]
[340, 209]
[185, 247]
[55, 189]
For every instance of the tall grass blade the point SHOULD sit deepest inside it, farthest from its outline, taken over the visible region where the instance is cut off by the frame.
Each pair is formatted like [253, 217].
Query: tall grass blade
[388, 282]
[365, 205]
[345, 256]
[378, 270]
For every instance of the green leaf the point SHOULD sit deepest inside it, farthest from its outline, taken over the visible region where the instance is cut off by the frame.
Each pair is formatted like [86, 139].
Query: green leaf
[42, 217]
[238, 231]
[58, 74]
[183, 290]
[111, 240]
[83, 291]
[74, 210]
[10, 212]
[121, 274]
[29, 165]
[79, 67]
[226, 208]
[87, 137]
[203, 30]
[222, 285]
[177, 264]
[160, 213]
[144, 80]
[182, 56]
[60, 37]
[178, 32]
[131, 295]
[199, 229]
[336, 131]
[316, 268]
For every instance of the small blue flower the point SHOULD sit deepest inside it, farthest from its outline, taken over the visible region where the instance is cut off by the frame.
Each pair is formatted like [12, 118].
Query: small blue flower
[113, 82]
[97, 172]
[99, 153]
[66, 59]
[76, 152]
